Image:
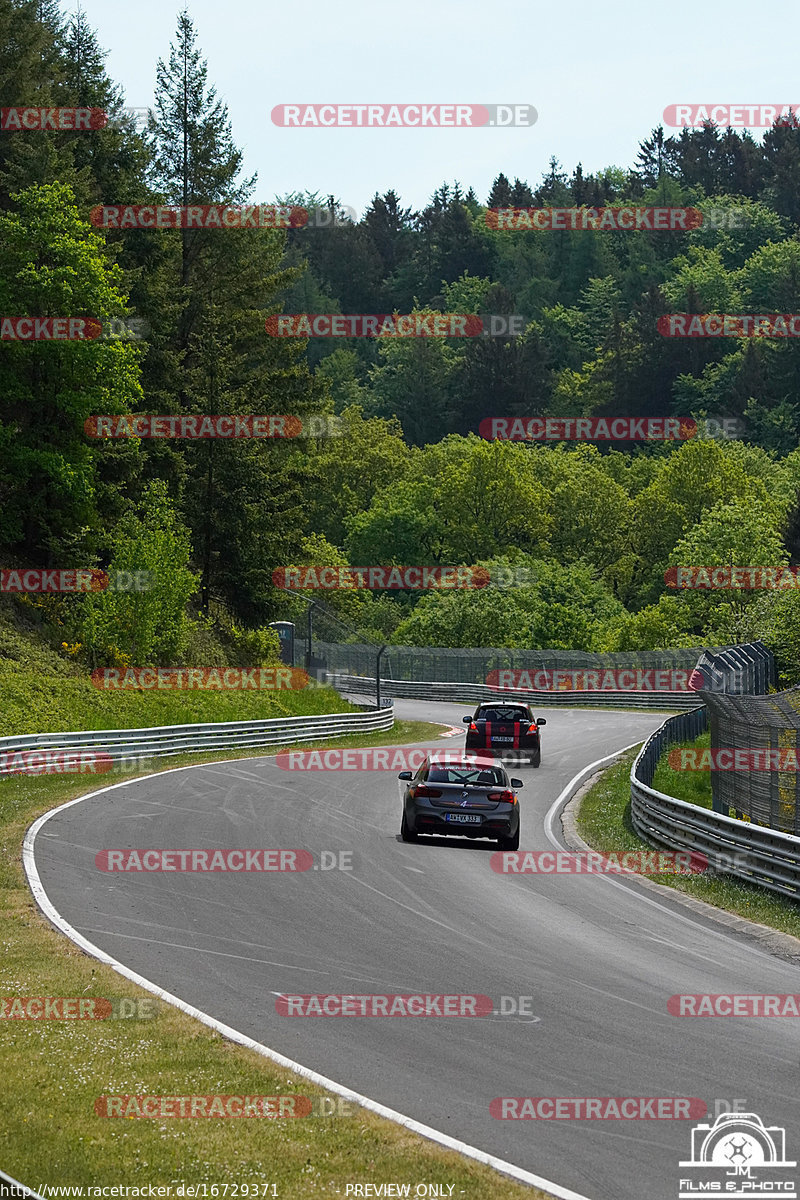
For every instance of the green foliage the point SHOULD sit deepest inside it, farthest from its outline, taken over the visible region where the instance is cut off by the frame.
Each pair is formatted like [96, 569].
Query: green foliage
[348, 470]
[408, 481]
[149, 626]
[656, 627]
[688, 483]
[562, 608]
[415, 377]
[51, 479]
[460, 500]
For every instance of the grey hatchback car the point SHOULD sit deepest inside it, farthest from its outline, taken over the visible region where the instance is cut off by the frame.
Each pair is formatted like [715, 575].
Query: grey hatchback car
[471, 800]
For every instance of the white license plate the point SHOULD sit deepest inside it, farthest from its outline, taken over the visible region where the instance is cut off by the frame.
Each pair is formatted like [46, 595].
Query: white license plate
[502, 739]
[463, 818]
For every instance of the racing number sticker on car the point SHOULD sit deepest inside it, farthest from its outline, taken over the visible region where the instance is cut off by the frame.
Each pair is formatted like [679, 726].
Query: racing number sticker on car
[502, 730]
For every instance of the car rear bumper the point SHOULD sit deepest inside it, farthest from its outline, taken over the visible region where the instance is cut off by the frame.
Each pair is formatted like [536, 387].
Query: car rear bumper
[502, 822]
[526, 749]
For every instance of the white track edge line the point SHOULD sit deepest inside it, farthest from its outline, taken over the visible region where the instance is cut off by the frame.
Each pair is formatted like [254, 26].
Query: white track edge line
[642, 897]
[570, 788]
[233, 1035]
[22, 1186]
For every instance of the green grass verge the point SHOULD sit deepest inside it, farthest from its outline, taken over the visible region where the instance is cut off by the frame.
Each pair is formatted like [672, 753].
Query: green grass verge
[54, 1070]
[692, 786]
[604, 821]
[43, 691]
[33, 702]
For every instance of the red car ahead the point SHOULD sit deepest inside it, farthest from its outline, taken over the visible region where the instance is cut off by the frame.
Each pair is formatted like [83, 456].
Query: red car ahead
[506, 730]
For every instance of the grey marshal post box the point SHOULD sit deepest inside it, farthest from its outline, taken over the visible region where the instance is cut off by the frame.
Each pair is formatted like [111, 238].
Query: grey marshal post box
[285, 631]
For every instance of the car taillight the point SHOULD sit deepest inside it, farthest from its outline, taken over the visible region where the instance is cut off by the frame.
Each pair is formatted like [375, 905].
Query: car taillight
[506, 796]
[534, 728]
[473, 728]
[431, 793]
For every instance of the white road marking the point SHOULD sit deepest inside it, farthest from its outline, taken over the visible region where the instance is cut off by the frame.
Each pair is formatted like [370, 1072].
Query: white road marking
[227, 1031]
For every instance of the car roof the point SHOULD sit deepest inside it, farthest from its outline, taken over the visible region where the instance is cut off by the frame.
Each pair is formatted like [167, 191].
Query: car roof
[470, 761]
[504, 704]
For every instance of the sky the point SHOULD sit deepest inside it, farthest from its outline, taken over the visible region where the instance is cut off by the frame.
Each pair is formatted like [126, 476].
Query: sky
[598, 74]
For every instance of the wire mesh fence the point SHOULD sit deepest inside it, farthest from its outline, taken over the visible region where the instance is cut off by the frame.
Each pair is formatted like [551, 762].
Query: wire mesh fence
[732, 681]
[749, 724]
[736, 670]
[437, 664]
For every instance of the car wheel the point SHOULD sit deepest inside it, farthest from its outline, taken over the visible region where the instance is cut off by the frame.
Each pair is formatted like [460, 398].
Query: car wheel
[511, 843]
[536, 760]
[405, 832]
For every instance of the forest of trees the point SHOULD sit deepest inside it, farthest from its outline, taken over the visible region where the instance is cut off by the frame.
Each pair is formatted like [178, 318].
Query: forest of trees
[410, 480]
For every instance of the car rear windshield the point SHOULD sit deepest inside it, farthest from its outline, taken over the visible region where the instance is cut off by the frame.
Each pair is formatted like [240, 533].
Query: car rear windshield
[503, 714]
[486, 776]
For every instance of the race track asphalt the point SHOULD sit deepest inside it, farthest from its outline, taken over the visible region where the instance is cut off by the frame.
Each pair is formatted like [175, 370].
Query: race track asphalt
[599, 958]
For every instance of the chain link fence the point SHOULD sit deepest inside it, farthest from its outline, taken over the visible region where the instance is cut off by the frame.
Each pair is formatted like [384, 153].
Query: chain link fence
[437, 664]
[757, 723]
[736, 670]
[732, 681]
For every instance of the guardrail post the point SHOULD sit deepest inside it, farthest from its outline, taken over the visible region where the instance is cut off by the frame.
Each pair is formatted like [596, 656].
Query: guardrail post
[309, 629]
[378, 676]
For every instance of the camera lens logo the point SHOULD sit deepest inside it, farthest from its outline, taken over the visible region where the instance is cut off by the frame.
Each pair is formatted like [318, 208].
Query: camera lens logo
[737, 1156]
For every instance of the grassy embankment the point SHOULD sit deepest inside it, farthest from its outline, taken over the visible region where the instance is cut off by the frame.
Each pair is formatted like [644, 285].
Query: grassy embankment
[54, 1070]
[604, 822]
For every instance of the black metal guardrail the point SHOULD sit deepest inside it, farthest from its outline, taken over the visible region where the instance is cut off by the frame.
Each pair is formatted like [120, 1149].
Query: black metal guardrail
[475, 693]
[751, 852]
[11, 1189]
[126, 745]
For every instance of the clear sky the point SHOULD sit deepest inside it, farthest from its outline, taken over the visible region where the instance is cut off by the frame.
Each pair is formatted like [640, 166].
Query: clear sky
[599, 75]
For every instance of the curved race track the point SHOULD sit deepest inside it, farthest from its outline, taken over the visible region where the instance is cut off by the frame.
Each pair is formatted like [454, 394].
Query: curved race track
[599, 957]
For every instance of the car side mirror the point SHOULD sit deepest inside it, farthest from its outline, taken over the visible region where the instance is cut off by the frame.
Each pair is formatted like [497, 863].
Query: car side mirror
[406, 775]
[466, 720]
[517, 783]
[542, 721]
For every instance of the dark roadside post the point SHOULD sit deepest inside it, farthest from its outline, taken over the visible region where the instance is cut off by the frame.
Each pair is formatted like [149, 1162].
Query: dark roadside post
[378, 676]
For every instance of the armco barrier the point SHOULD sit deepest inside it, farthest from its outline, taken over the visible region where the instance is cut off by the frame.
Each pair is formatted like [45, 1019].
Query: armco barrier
[122, 744]
[19, 1190]
[475, 693]
[751, 852]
